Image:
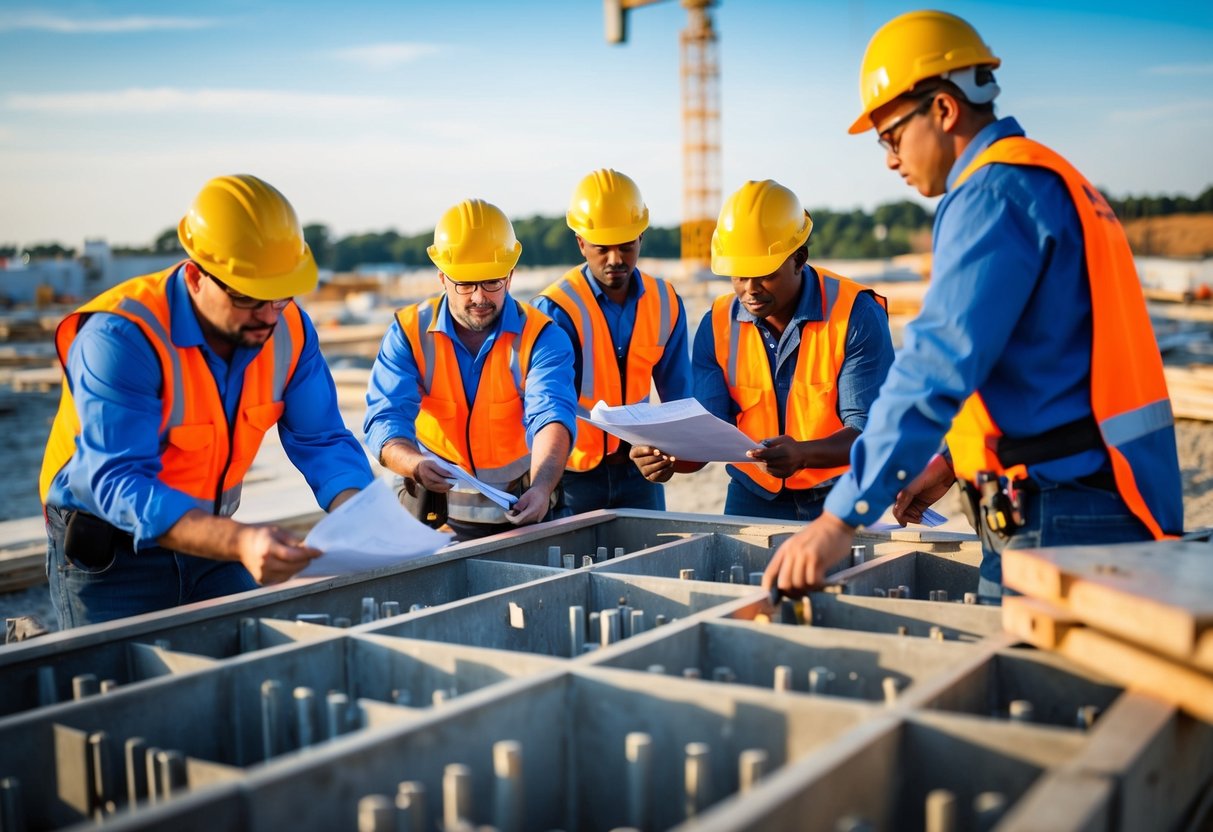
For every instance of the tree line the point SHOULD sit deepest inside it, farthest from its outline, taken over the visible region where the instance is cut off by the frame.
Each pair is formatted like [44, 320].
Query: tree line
[891, 229]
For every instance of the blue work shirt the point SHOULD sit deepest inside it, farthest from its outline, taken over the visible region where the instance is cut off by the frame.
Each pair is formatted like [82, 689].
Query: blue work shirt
[869, 353]
[393, 396]
[1008, 312]
[671, 374]
[115, 379]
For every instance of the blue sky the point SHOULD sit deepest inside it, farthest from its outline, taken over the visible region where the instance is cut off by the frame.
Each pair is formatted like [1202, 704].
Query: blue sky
[376, 115]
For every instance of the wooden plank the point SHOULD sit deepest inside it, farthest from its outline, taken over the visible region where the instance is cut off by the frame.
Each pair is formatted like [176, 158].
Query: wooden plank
[1158, 595]
[1049, 627]
[22, 568]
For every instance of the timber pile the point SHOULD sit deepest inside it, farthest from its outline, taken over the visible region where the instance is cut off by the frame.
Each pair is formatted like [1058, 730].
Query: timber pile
[1191, 390]
[1141, 614]
[23, 566]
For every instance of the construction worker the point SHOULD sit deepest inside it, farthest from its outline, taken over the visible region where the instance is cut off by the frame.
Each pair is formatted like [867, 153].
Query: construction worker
[480, 380]
[171, 380]
[629, 334]
[1033, 351]
[794, 357]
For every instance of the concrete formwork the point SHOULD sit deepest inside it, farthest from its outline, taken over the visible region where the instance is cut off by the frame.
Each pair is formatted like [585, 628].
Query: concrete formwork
[494, 685]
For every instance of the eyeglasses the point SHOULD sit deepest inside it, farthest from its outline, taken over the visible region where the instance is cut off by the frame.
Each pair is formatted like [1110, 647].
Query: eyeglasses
[244, 301]
[487, 286]
[892, 143]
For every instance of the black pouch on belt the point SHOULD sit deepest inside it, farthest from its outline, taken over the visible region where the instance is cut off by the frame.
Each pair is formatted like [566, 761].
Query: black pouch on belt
[89, 541]
[427, 506]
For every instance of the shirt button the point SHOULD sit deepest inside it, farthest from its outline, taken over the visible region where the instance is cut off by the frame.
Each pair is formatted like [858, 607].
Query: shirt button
[901, 475]
[861, 507]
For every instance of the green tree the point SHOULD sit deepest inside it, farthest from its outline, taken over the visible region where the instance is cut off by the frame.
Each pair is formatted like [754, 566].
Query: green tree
[167, 242]
[316, 236]
[49, 251]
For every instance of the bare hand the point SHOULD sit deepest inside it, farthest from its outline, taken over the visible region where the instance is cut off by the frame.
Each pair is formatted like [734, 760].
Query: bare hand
[801, 562]
[431, 476]
[923, 491]
[271, 554]
[654, 465]
[531, 506]
[780, 457]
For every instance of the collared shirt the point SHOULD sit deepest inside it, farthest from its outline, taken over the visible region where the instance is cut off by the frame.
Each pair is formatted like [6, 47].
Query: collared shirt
[671, 374]
[869, 353]
[115, 379]
[393, 396]
[1008, 312]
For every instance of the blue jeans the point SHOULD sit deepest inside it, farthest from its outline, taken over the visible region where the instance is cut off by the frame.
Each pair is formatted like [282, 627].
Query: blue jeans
[789, 504]
[132, 583]
[1057, 515]
[611, 486]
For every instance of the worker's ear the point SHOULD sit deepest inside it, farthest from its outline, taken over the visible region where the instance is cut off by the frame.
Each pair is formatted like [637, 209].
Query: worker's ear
[193, 277]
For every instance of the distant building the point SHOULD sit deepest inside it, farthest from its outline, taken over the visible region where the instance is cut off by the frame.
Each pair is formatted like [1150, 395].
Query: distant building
[78, 279]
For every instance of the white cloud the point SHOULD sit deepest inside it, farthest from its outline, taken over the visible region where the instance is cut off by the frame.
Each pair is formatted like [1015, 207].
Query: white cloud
[159, 100]
[1181, 69]
[99, 25]
[385, 56]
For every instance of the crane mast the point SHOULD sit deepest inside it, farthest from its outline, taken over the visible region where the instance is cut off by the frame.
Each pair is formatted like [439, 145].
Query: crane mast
[700, 76]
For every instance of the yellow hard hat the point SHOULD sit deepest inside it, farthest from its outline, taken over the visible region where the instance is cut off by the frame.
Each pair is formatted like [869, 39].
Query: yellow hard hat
[243, 231]
[914, 47]
[760, 226]
[607, 209]
[474, 241]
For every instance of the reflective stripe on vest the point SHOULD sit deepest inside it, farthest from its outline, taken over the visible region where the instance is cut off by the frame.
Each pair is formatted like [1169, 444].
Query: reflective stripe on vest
[489, 438]
[656, 316]
[200, 454]
[811, 411]
[1128, 389]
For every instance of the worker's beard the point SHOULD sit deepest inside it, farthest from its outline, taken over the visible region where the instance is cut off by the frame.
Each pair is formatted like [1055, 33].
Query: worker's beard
[249, 335]
[476, 316]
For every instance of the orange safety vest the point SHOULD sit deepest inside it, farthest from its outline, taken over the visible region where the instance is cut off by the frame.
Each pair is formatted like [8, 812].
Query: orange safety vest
[489, 440]
[200, 453]
[1129, 397]
[812, 406]
[656, 316]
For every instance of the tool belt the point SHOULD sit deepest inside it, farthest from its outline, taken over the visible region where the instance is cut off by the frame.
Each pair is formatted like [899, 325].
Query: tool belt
[435, 508]
[998, 502]
[90, 541]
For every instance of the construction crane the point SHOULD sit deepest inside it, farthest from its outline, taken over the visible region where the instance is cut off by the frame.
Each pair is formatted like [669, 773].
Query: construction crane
[700, 71]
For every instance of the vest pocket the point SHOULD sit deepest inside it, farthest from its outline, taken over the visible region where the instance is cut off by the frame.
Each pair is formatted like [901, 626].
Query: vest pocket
[750, 397]
[264, 416]
[189, 459]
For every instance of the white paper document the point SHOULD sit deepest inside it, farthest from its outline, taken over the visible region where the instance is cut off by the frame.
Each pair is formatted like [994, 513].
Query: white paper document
[369, 530]
[681, 429]
[930, 518]
[458, 476]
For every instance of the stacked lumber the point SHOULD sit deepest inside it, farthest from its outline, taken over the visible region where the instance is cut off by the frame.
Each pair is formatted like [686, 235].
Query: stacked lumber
[1191, 390]
[1140, 613]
